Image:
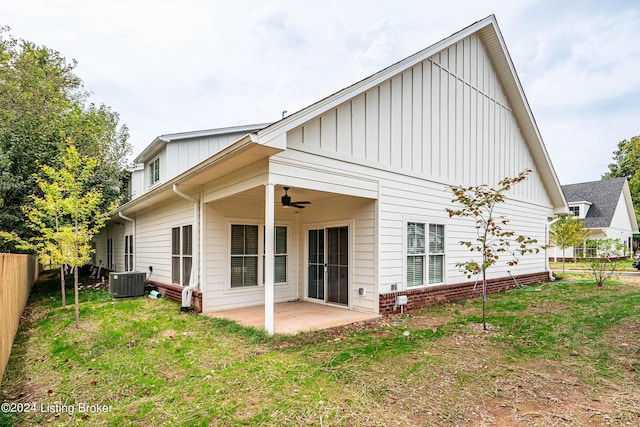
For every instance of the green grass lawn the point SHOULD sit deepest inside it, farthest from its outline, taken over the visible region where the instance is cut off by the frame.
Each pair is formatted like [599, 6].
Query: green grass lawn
[566, 354]
[623, 265]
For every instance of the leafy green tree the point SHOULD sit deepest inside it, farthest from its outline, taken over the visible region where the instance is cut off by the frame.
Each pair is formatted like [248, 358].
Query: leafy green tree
[603, 264]
[43, 105]
[627, 164]
[568, 232]
[67, 215]
[493, 240]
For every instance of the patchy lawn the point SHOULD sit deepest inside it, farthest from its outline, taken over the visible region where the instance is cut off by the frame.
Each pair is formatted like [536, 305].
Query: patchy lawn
[566, 354]
[623, 265]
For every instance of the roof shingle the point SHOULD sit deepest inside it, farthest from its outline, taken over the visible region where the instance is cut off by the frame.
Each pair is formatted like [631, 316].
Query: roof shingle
[603, 196]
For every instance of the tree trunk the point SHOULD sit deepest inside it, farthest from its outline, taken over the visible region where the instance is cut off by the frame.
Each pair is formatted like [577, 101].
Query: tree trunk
[484, 300]
[63, 285]
[75, 290]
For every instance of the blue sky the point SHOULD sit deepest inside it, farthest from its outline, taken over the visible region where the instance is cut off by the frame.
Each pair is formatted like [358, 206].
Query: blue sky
[177, 65]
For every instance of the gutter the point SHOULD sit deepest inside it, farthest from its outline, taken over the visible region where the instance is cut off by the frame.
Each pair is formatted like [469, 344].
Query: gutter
[135, 242]
[548, 239]
[187, 292]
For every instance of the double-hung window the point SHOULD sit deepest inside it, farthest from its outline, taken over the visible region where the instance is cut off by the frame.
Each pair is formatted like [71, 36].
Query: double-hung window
[128, 253]
[110, 265]
[280, 254]
[244, 255]
[425, 253]
[181, 254]
[247, 257]
[154, 171]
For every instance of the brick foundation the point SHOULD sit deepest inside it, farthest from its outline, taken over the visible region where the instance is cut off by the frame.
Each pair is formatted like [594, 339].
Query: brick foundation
[174, 292]
[424, 297]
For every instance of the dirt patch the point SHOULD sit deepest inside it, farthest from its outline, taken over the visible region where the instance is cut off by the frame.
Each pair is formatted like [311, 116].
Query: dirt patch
[624, 339]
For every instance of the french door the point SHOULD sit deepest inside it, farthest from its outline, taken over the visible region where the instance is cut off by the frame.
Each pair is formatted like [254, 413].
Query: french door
[328, 265]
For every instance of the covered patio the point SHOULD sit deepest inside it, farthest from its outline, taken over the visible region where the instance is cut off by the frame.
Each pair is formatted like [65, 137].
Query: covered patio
[295, 316]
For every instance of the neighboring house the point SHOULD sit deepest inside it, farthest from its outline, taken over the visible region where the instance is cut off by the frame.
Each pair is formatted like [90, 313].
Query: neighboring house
[368, 167]
[606, 208]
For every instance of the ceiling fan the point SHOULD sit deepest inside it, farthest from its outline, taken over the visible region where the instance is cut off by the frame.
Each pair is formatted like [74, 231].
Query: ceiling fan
[286, 201]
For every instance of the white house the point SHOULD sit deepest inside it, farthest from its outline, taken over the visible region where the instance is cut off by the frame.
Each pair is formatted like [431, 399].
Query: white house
[606, 207]
[343, 202]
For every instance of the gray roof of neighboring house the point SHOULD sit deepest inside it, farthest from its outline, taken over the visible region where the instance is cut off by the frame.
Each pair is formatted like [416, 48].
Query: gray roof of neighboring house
[603, 196]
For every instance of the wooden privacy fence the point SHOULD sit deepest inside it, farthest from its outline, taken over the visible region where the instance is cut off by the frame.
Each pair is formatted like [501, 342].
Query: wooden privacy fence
[17, 275]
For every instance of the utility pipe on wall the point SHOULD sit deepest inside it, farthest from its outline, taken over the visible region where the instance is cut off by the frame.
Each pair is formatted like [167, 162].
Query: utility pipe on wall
[547, 242]
[187, 292]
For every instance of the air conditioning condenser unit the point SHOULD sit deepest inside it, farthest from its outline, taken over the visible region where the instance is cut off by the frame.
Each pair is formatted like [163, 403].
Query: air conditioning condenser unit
[127, 284]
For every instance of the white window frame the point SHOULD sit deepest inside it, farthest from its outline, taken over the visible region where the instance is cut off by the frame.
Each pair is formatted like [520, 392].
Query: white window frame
[426, 254]
[260, 255]
[110, 264]
[182, 255]
[154, 171]
[128, 252]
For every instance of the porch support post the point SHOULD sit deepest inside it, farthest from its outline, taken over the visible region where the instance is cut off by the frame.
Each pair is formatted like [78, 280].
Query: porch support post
[269, 238]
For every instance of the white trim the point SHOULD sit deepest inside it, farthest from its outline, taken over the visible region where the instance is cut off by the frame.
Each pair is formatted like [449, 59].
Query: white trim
[151, 182]
[350, 224]
[261, 254]
[427, 221]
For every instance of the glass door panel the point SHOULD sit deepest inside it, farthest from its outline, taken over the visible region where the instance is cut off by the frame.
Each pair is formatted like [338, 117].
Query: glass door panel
[338, 265]
[315, 287]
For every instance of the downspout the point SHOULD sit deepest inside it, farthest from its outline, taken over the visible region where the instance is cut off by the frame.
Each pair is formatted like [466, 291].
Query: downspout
[135, 242]
[187, 292]
[548, 239]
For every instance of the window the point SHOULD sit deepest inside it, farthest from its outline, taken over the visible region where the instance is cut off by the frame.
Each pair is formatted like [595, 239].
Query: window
[244, 255]
[247, 267]
[425, 256]
[575, 210]
[110, 265]
[280, 253]
[154, 169]
[436, 253]
[128, 253]
[181, 254]
[415, 254]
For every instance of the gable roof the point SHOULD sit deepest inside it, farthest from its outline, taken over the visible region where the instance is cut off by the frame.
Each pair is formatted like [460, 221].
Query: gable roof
[487, 28]
[603, 196]
[153, 148]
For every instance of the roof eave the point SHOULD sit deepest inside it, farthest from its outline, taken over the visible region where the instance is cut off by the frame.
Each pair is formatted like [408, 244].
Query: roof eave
[246, 146]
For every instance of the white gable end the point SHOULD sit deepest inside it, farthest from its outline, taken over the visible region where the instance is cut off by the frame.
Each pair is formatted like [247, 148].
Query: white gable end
[445, 118]
[621, 220]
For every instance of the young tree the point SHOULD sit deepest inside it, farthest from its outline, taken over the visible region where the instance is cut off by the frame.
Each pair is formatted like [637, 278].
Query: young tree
[68, 215]
[492, 240]
[603, 263]
[568, 232]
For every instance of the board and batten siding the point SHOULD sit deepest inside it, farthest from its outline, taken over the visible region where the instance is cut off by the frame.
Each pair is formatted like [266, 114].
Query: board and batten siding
[446, 118]
[187, 153]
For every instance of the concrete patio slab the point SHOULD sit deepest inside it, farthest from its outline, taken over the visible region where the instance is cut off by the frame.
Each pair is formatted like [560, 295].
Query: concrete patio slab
[295, 316]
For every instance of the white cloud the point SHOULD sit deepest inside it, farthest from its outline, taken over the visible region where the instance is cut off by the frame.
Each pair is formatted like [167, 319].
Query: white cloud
[177, 65]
